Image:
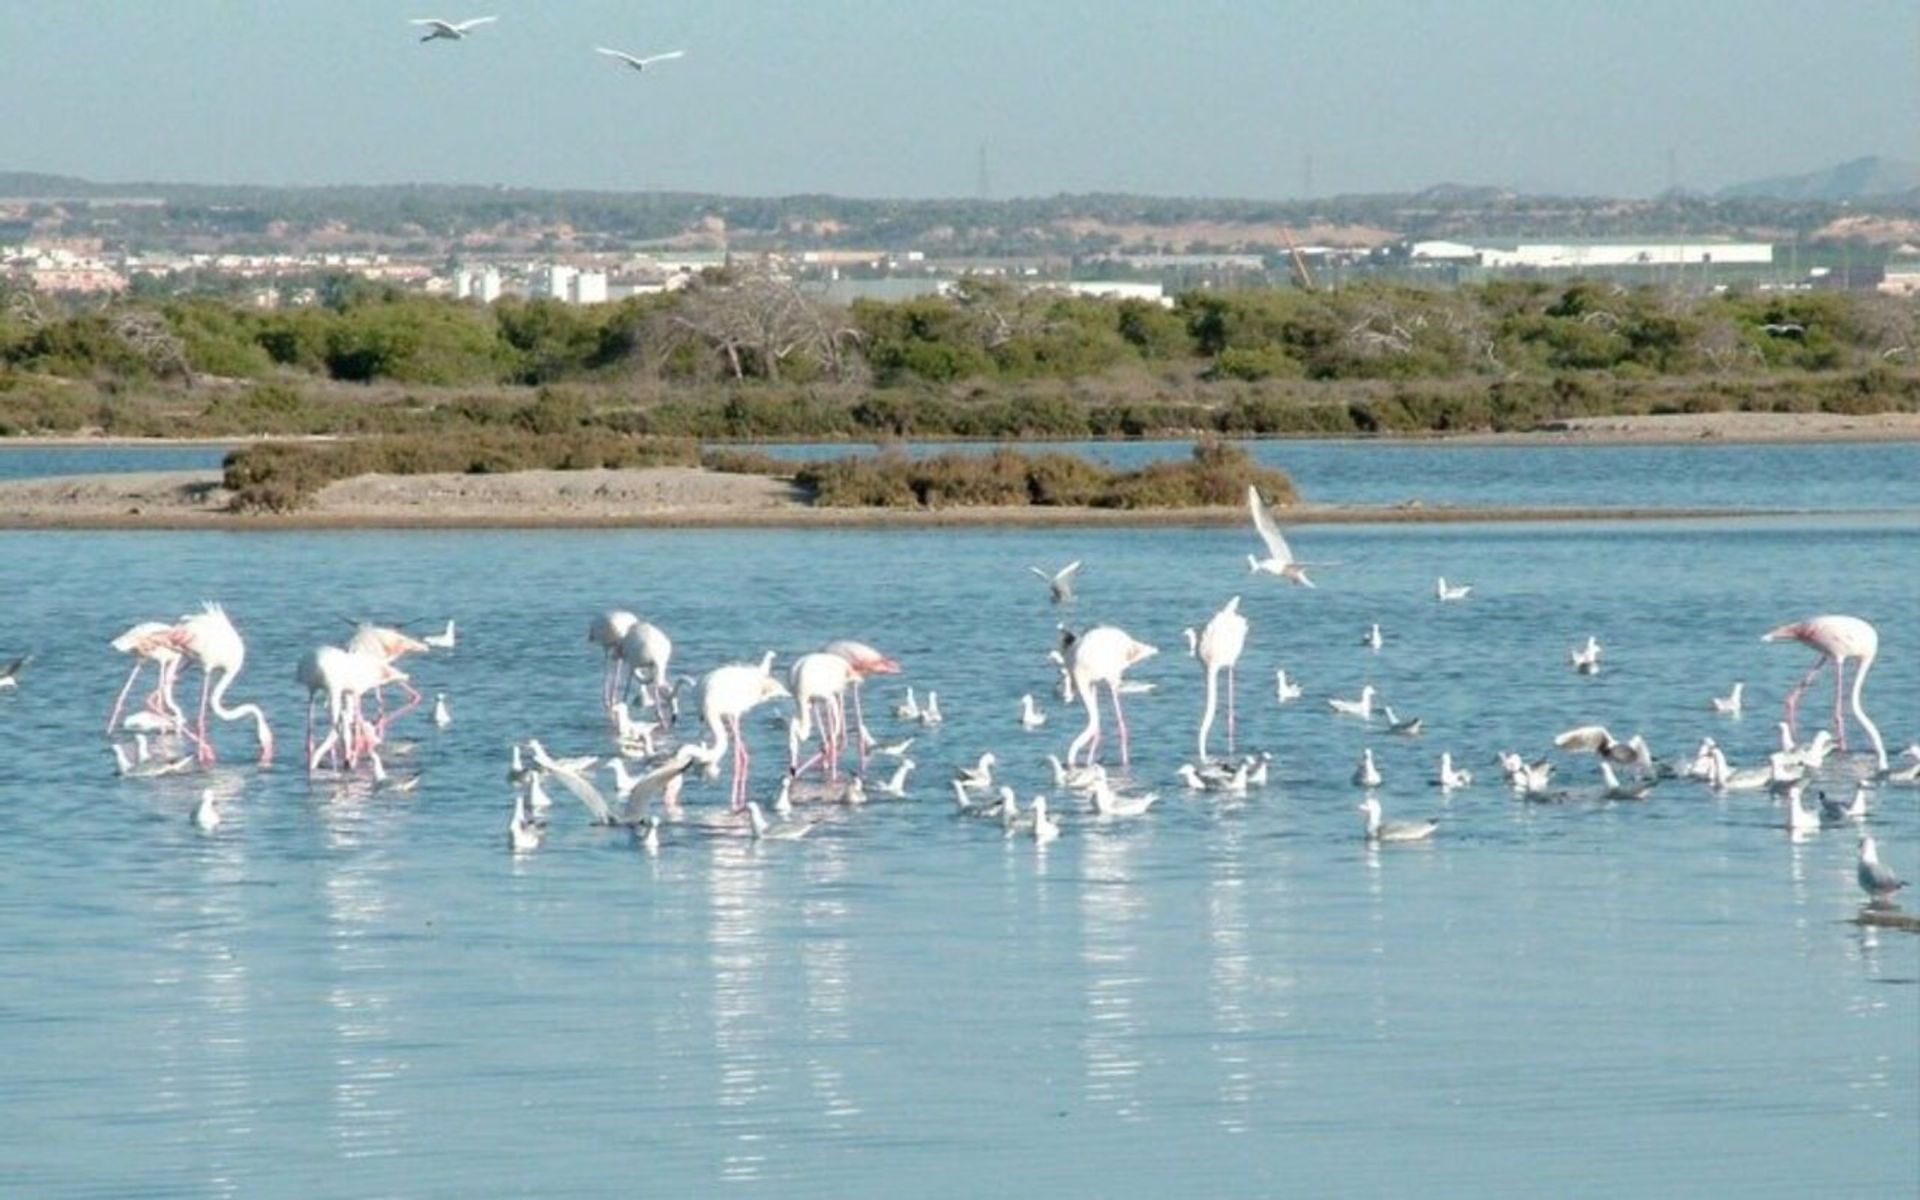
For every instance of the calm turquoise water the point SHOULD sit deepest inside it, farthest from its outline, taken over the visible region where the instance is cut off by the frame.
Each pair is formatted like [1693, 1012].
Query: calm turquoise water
[33, 462]
[350, 994]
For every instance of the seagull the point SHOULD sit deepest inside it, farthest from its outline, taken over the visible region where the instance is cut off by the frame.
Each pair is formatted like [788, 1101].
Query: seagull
[1729, 704]
[977, 778]
[1059, 583]
[1834, 812]
[856, 793]
[1371, 639]
[1217, 780]
[1078, 779]
[1107, 804]
[1527, 778]
[1279, 560]
[1366, 775]
[523, 832]
[1615, 790]
[908, 709]
[665, 782]
[537, 799]
[441, 717]
[10, 674]
[896, 750]
[1260, 763]
[1407, 728]
[637, 63]
[764, 832]
[1811, 753]
[1393, 831]
[1045, 828]
[896, 787]
[1449, 779]
[1801, 820]
[931, 715]
[1362, 708]
[1285, 689]
[646, 831]
[575, 781]
[1875, 879]
[1030, 717]
[1447, 594]
[440, 641]
[1586, 659]
[452, 31]
[1631, 752]
[206, 814]
[1909, 773]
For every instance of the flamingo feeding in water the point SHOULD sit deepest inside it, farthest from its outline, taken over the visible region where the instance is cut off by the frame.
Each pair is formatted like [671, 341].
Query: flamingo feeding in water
[646, 645]
[865, 661]
[609, 631]
[727, 694]
[150, 642]
[1102, 655]
[209, 638]
[1218, 648]
[821, 679]
[1837, 639]
[345, 676]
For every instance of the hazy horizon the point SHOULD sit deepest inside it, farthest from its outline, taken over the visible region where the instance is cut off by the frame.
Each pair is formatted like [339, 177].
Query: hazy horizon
[1226, 100]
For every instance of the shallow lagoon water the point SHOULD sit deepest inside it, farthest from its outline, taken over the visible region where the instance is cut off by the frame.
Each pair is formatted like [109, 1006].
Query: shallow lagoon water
[349, 994]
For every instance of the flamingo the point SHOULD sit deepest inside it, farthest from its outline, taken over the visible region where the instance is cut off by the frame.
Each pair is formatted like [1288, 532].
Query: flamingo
[1837, 639]
[820, 678]
[865, 661]
[727, 694]
[209, 638]
[388, 645]
[451, 31]
[1102, 655]
[149, 642]
[345, 676]
[646, 645]
[1218, 648]
[608, 631]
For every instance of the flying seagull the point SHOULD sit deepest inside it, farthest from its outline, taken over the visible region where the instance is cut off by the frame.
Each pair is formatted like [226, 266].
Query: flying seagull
[451, 31]
[1059, 583]
[638, 64]
[1279, 560]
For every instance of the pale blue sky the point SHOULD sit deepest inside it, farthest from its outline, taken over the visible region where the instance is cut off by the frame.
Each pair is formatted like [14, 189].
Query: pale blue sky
[878, 98]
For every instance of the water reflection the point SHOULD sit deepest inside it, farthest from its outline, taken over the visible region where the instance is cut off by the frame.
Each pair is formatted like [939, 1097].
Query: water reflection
[1230, 979]
[737, 954]
[1112, 910]
[826, 967]
[367, 1122]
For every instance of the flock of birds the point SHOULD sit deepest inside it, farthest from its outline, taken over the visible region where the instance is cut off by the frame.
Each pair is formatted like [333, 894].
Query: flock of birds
[441, 30]
[834, 757]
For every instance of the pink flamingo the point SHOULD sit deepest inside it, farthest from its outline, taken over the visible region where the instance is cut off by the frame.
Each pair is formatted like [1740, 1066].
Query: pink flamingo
[209, 638]
[346, 676]
[865, 661]
[822, 679]
[1837, 639]
[1098, 656]
[388, 645]
[1218, 648]
[727, 694]
[647, 645]
[149, 642]
[608, 630]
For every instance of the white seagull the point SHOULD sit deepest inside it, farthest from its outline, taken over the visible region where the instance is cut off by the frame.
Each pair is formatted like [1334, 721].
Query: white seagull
[1448, 593]
[1875, 879]
[1450, 779]
[1059, 583]
[1371, 639]
[636, 62]
[1586, 659]
[441, 716]
[1393, 831]
[206, 814]
[1362, 708]
[1279, 560]
[1285, 688]
[1108, 804]
[452, 31]
[443, 640]
[1030, 717]
[1366, 775]
[977, 778]
[1729, 704]
[1045, 828]
[896, 787]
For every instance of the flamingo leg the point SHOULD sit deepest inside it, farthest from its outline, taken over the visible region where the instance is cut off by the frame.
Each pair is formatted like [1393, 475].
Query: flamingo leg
[1229, 708]
[205, 753]
[1839, 694]
[740, 761]
[113, 718]
[1120, 720]
[1798, 689]
[833, 723]
[860, 727]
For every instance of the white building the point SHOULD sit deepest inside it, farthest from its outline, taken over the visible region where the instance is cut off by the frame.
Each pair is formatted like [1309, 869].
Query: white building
[588, 287]
[551, 281]
[477, 283]
[1578, 255]
[1108, 289]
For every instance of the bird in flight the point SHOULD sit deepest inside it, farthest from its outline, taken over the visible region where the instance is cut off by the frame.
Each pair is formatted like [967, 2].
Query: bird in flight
[451, 31]
[636, 62]
[1059, 583]
[1279, 560]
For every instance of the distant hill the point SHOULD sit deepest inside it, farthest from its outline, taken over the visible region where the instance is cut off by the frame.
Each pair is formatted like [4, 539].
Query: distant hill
[1872, 176]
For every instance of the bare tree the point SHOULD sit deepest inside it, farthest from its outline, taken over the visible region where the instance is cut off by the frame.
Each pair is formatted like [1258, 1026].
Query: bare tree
[761, 321]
